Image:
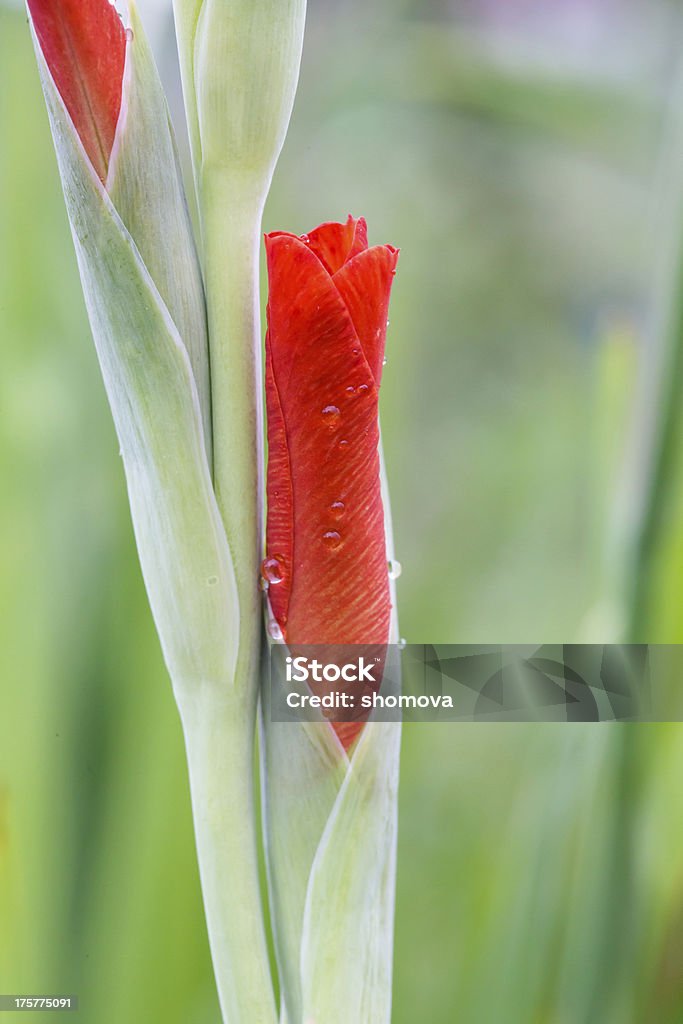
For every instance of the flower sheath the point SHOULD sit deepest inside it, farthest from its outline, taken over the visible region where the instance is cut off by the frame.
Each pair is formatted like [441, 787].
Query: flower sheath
[326, 547]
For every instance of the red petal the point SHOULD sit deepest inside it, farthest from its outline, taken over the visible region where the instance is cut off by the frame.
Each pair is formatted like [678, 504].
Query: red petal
[334, 244]
[364, 284]
[325, 514]
[84, 45]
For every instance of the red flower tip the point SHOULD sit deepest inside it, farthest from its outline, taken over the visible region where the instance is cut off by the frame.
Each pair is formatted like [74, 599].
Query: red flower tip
[84, 45]
[326, 562]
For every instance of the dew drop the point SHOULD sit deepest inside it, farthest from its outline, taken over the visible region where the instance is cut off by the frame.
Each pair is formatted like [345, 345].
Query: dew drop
[344, 444]
[332, 539]
[330, 415]
[384, 361]
[402, 644]
[355, 351]
[337, 508]
[395, 569]
[388, 323]
[129, 35]
[350, 390]
[363, 389]
[304, 238]
[274, 631]
[273, 570]
[212, 581]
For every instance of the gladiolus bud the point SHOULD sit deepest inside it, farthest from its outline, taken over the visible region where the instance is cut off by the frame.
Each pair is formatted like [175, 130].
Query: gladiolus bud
[326, 546]
[144, 294]
[84, 45]
[240, 63]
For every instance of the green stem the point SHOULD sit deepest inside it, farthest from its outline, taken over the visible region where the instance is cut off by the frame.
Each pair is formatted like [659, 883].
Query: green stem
[232, 235]
[220, 734]
[219, 740]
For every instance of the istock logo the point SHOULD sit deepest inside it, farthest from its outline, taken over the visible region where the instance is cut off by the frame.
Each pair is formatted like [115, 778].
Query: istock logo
[301, 670]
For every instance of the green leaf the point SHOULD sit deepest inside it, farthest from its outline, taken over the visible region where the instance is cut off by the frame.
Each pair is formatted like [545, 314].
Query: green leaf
[146, 188]
[330, 825]
[155, 405]
[348, 928]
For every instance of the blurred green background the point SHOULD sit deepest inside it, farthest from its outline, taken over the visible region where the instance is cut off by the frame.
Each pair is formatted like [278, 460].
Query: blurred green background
[527, 157]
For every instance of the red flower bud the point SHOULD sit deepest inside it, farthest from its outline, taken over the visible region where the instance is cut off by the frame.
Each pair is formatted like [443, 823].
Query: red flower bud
[326, 546]
[84, 45]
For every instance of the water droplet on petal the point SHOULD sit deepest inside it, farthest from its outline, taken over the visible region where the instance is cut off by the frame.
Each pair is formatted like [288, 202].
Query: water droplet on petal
[402, 644]
[384, 361]
[395, 569]
[388, 323]
[129, 35]
[332, 539]
[337, 508]
[274, 631]
[355, 351]
[350, 390]
[344, 444]
[363, 389]
[212, 581]
[273, 570]
[304, 238]
[331, 415]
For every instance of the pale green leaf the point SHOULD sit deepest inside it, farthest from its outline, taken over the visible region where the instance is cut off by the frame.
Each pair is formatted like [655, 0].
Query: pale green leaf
[153, 397]
[330, 826]
[146, 188]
